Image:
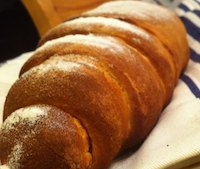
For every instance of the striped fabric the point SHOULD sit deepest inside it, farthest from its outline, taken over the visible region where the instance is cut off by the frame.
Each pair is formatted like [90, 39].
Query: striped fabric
[189, 12]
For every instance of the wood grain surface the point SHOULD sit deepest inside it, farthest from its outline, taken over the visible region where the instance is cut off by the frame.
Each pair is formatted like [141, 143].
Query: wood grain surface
[49, 13]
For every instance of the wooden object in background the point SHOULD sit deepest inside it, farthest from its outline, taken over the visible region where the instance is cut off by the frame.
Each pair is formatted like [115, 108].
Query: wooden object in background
[48, 13]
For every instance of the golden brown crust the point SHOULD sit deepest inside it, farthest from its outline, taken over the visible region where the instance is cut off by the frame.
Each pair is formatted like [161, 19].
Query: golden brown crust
[164, 24]
[39, 142]
[136, 37]
[104, 122]
[104, 86]
[141, 77]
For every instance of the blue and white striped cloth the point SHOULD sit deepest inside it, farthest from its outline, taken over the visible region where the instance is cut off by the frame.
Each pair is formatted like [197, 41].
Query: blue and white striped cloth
[189, 12]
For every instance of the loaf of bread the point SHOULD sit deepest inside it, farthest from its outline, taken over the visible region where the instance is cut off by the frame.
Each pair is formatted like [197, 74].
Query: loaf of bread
[94, 87]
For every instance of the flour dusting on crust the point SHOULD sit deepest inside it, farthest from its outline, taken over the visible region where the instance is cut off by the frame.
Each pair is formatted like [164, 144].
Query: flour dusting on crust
[104, 42]
[110, 22]
[30, 114]
[4, 167]
[15, 156]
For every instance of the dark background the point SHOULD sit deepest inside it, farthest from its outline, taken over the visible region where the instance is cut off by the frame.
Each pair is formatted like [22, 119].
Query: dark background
[17, 31]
